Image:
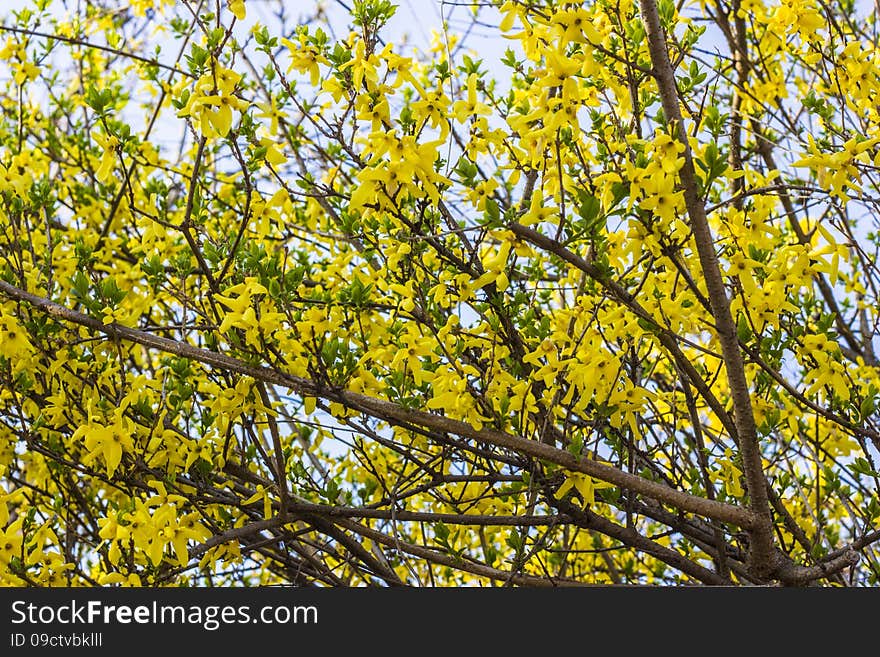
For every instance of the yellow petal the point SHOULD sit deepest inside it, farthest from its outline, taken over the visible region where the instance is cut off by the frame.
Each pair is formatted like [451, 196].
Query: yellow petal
[106, 166]
[179, 545]
[238, 9]
[155, 550]
[112, 456]
[564, 488]
[222, 120]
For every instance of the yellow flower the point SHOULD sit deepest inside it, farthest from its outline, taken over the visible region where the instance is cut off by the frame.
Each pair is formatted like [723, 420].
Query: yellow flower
[666, 152]
[274, 156]
[575, 24]
[729, 475]
[560, 69]
[538, 212]
[237, 8]
[14, 342]
[108, 144]
[466, 109]
[434, 109]
[214, 101]
[269, 110]
[584, 487]
[305, 59]
[107, 441]
[219, 121]
[416, 348]
[10, 542]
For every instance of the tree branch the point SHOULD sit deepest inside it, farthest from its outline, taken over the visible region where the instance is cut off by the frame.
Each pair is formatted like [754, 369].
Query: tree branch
[762, 546]
[391, 411]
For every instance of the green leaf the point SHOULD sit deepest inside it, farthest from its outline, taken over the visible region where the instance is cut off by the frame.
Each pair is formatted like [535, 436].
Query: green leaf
[743, 329]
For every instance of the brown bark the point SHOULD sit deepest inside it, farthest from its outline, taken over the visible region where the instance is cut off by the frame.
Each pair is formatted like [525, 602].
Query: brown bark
[762, 548]
[397, 414]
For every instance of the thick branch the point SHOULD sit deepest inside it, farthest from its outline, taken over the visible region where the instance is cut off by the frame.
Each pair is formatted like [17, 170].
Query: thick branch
[627, 536]
[762, 547]
[390, 411]
[459, 564]
[794, 575]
